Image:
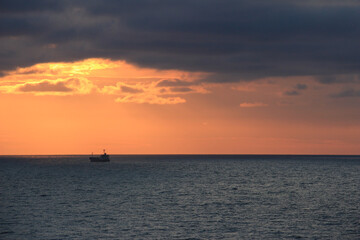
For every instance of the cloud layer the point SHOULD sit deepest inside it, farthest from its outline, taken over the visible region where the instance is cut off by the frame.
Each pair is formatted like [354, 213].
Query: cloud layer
[236, 40]
[127, 83]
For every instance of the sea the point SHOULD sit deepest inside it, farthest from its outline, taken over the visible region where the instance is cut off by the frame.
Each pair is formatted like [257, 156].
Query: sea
[180, 197]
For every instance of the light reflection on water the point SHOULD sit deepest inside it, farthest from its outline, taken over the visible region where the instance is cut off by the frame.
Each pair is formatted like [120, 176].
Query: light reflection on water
[180, 197]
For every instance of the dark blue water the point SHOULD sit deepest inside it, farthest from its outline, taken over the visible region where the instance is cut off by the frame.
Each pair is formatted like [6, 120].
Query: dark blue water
[180, 197]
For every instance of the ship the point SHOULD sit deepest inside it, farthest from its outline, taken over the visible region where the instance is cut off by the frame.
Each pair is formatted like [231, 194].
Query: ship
[102, 158]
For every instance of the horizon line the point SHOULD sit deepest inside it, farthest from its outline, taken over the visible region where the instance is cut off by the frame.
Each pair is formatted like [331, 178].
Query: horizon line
[190, 154]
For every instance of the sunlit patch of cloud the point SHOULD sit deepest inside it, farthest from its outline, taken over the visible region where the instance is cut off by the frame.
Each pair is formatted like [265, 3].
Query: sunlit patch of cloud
[123, 88]
[78, 68]
[150, 99]
[70, 86]
[44, 86]
[253, 104]
[149, 93]
[128, 83]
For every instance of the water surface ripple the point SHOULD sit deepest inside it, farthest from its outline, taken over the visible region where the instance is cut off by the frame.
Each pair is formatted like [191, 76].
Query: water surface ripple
[180, 197]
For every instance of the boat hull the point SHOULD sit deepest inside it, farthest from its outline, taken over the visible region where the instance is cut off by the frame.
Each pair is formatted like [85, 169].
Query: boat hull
[98, 159]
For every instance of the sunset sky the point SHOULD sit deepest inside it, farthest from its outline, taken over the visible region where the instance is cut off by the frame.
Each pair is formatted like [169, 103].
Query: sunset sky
[180, 77]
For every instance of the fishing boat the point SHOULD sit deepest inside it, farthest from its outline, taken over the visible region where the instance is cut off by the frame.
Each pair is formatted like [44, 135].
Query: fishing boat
[102, 158]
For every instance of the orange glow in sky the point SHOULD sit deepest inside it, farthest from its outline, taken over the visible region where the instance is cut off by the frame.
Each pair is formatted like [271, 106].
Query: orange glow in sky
[85, 106]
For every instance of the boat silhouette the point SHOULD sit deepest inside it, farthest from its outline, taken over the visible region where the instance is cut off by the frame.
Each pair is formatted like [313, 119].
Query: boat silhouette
[102, 158]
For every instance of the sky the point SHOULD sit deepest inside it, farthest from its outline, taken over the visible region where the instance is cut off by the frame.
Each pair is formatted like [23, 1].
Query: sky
[180, 77]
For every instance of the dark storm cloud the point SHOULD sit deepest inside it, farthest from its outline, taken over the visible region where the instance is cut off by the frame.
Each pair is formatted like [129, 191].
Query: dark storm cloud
[339, 79]
[16, 26]
[23, 6]
[236, 40]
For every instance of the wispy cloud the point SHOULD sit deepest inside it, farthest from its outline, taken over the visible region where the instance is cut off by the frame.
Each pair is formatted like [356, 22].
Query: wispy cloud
[134, 84]
[146, 93]
[178, 86]
[150, 99]
[123, 88]
[44, 86]
[291, 93]
[181, 89]
[252, 104]
[127, 89]
[175, 83]
[346, 94]
[300, 86]
[60, 87]
[297, 89]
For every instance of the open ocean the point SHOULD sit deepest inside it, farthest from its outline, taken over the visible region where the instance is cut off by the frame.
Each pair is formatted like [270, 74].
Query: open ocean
[180, 197]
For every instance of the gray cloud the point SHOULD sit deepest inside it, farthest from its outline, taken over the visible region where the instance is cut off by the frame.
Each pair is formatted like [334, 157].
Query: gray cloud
[292, 93]
[127, 89]
[331, 79]
[23, 6]
[236, 40]
[180, 89]
[346, 94]
[174, 83]
[296, 90]
[45, 86]
[300, 86]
